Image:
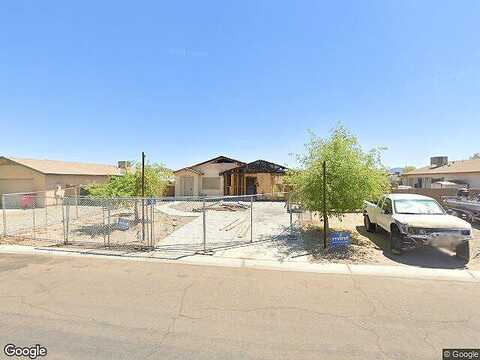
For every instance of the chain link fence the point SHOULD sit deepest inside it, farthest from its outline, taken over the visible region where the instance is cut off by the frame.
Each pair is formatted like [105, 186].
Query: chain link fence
[200, 224]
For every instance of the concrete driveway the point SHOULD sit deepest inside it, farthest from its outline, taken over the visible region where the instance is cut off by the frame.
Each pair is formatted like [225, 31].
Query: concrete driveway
[230, 228]
[85, 308]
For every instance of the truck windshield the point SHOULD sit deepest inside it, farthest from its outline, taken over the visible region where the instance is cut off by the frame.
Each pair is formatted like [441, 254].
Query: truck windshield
[418, 207]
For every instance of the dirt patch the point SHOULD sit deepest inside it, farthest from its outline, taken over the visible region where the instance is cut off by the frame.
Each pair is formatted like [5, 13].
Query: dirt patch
[375, 247]
[197, 206]
[92, 231]
[26, 241]
[362, 250]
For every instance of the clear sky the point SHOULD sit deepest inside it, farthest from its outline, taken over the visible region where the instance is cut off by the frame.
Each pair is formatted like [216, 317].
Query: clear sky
[101, 81]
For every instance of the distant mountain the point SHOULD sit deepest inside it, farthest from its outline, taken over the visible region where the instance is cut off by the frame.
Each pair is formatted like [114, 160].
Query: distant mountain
[396, 170]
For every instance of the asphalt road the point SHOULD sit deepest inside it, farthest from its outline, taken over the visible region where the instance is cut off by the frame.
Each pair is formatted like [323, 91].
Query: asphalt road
[85, 308]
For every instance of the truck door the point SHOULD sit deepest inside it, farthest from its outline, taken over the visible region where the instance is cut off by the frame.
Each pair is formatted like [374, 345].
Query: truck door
[385, 214]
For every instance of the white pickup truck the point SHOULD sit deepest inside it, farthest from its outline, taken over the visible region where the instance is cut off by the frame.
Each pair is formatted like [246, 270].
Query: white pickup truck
[416, 220]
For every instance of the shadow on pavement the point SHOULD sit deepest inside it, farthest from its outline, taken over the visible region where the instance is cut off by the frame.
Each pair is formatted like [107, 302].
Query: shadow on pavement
[427, 257]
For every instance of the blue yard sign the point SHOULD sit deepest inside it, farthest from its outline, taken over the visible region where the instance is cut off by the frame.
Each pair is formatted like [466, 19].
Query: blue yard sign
[340, 238]
[123, 224]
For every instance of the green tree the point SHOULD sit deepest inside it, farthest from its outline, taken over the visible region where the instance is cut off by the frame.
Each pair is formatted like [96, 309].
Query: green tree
[157, 178]
[352, 175]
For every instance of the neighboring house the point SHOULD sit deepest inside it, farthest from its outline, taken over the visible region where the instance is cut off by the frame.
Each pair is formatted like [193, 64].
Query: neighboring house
[461, 172]
[226, 176]
[32, 175]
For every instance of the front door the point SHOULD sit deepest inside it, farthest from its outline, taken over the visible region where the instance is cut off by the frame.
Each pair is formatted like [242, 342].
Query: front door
[251, 183]
[188, 186]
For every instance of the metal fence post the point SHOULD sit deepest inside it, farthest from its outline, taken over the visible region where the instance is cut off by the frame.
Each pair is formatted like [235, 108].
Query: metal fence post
[33, 218]
[152, 225]
[64, 225]
[77, 194]
[291, 220]
[68, 221]
[108, 226]
[104, 227]
[46, 211]
[251, 218]
[204, 227]
[4, 216]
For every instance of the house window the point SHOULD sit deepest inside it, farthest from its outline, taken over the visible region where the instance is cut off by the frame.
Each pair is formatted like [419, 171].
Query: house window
[210, 183]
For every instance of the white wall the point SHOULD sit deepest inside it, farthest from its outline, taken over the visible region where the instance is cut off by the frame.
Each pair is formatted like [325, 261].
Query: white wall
[208, 170]
[473, 179]
[179, 179]
[213, 170]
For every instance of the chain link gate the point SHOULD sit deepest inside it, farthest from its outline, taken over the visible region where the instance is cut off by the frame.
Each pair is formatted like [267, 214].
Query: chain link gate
[191, 224]
[109, 223]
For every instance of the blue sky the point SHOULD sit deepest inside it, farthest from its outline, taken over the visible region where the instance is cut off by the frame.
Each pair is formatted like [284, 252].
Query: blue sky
[101, 81]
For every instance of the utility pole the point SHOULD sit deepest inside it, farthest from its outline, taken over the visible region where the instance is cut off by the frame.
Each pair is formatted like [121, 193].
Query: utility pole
[325, 216]
[143, 196]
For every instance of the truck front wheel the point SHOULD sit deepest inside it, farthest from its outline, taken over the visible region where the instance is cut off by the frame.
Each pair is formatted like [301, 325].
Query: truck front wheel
[396, 240]
[369, 226]
[463, 251]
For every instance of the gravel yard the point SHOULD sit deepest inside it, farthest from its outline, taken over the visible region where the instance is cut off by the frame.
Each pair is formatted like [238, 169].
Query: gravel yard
[179, 226]
[366, 247]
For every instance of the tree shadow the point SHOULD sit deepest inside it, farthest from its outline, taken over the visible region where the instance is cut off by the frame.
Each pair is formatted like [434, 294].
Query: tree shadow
[425, 257]
[93, 230]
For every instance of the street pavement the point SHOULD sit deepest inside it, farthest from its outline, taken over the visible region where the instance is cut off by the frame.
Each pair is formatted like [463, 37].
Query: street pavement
[99, 308]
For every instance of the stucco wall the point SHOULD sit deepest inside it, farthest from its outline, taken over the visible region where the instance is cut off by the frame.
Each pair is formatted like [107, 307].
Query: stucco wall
[473, 179]
[208, 170]
[213, 170]
[179, 179]
[16, 178]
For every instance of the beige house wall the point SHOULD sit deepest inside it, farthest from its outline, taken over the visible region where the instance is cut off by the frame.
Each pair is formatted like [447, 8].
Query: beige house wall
[179, 181]
[473, 179]
[207, 170]
[16, 178]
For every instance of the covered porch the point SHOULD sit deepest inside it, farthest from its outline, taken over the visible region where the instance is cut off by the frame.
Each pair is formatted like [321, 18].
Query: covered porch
[258, 177]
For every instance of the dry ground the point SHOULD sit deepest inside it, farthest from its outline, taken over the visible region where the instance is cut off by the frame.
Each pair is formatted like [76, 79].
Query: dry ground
[231, 229]
[374, 247]
[306, 245]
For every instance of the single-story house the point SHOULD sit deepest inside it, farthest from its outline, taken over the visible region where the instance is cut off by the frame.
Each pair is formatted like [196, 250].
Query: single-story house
[226, 176]
[462, 172]
[48, 176]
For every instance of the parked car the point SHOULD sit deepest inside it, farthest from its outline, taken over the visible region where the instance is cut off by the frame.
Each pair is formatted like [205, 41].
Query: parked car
[414, 221]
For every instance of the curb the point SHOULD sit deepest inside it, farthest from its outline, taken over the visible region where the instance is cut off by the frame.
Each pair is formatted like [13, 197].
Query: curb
[392, 271]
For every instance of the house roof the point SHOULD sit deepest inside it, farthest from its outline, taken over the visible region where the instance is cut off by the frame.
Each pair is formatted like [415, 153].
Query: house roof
[56, 167]
[453, 167]
[259, 166]
[195, 171]
[214, 160]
